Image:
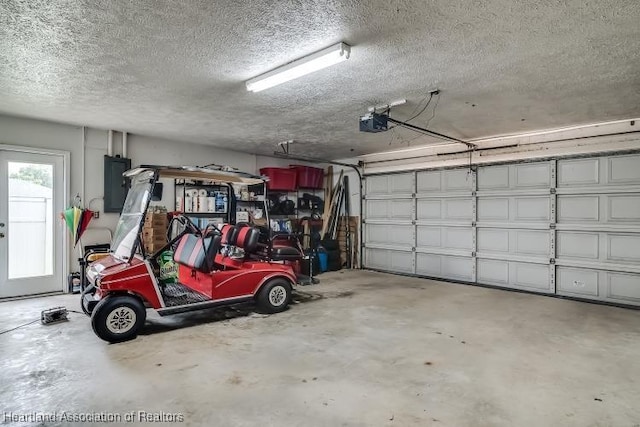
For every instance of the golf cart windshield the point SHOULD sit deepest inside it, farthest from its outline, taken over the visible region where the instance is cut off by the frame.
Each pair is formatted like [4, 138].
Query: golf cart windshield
[124, 239]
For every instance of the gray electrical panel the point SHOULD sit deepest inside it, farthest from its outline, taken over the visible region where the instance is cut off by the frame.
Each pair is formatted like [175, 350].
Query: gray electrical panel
[115, 185]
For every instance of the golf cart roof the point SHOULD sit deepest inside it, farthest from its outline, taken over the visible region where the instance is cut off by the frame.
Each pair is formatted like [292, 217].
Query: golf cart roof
[219, 174]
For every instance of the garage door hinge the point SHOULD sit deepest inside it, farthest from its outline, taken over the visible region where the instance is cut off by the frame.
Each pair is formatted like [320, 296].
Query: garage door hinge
[413, 249]
[552, 261]
[473, 193]
[473, 254]
[413, 222]
[473, 223]
[552, 226]
[552, 190]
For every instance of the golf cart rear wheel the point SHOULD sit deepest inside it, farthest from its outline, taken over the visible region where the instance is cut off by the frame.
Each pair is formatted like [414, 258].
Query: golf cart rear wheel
[275, 296]
[118, 318]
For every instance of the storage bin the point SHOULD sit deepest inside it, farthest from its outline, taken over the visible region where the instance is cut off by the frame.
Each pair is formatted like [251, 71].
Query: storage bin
[308, 177]
[323, 259]
[282, 179]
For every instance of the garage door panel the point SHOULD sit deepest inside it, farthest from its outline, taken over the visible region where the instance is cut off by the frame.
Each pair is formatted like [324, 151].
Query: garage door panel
[599, 208]
[493, 272]
[514, 241]
[623, 286]
[430, 209]
[389, 260]
[392, 234]
[493, 177]
[445, 266]
[457, 238]
[624, 169]
[623, 247]
[428, 265]
[456, 180]
[532, 276]
[623, 208]
[578, 209]
[429, 181]
[429, 236]
[599, 172]
[531, 209]
[531, 175]
[577, 245]
[381, 185]
[493, 209]
[578, 172]
[514, 177]
[449, 209]
[530, 242]
[457, 267]
[515, 209]
[513, 274]
[459, 209]
[493, 240]
[603, 285]
[444, 237]
[577, 281]
[397, 209]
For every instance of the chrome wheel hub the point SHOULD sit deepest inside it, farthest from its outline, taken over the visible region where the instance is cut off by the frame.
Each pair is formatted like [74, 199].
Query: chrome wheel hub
[121, 320]
[277, 296]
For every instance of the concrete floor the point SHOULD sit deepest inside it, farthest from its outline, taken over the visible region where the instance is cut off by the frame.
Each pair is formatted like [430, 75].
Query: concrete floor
[360, 349]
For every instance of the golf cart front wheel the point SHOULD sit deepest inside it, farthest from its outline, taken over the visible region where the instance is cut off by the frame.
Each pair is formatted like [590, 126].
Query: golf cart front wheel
[118, 318]
[275, 296]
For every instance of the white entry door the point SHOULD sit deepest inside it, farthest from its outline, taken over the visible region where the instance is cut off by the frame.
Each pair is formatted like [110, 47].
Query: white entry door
[31, 232]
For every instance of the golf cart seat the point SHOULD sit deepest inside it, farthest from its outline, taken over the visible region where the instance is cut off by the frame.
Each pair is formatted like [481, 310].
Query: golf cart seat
[247, 238]
[285, 253]
[286, 247]
[198, 253]
[229, 234]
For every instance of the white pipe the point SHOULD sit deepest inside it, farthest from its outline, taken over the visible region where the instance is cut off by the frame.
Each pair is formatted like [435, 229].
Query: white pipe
[84, 160]
[110, 144]
[124, 145]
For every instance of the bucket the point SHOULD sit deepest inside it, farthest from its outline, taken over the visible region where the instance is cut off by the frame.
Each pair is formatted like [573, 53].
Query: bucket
[323, 258]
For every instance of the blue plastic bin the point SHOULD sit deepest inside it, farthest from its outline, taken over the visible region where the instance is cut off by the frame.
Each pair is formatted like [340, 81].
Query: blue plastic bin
[323, 260]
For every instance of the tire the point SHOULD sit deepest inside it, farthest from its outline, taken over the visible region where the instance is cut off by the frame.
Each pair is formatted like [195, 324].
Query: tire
[274, 296]
[118, 318]
[85, 309]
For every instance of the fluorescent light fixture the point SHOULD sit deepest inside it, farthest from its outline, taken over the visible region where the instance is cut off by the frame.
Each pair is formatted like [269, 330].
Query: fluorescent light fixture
[300, 67]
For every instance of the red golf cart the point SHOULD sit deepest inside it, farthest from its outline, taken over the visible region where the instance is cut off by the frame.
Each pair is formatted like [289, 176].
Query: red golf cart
[217, 266]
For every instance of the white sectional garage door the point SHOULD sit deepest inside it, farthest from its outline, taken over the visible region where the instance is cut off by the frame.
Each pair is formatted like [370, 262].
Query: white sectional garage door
[569, 226]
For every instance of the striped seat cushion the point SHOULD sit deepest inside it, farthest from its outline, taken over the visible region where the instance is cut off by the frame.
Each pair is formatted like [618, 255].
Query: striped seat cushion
[194, 251]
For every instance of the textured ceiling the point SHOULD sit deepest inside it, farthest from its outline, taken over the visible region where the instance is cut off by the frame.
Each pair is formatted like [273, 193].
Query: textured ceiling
[176, 69]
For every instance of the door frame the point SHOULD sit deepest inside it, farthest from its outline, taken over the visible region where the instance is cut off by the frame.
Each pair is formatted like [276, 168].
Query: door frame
[66, 190]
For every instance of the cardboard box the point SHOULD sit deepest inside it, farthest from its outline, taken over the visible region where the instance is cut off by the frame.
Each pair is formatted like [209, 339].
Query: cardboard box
[152, 248]
[154, 239]
[156, 220]
[157, 231]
